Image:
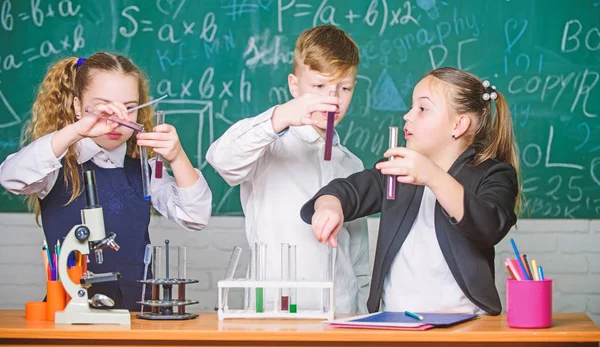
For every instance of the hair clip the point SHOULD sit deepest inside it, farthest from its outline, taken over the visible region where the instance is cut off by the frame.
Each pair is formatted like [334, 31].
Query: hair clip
[80, 61]
[490, 92]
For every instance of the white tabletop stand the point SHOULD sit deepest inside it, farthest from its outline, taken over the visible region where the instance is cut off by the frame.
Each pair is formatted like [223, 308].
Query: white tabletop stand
[224, 311]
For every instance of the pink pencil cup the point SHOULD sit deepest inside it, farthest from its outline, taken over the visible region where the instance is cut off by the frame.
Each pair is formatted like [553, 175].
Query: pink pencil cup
[529, 303]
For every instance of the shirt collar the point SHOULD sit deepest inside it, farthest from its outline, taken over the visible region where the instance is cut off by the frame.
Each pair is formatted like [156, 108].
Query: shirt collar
[309, 134]
[88, 149]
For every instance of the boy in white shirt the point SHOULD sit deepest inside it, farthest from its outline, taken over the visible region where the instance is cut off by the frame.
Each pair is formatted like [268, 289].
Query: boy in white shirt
[278, 159]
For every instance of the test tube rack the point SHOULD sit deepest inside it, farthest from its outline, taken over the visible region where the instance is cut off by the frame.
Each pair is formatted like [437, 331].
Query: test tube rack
[168, 308]
[163, 309]
[224, 312]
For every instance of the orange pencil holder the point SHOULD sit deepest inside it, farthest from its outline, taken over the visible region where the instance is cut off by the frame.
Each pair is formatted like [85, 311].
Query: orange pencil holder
[75, 273]
[35, 311]
[55, 299]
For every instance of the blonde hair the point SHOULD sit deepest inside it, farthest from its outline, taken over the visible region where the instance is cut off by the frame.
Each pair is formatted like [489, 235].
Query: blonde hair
[494, 136]
[53, 109]
[327, 50]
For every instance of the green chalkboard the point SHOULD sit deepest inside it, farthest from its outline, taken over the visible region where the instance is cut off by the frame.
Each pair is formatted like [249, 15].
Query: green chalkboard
[221, 61]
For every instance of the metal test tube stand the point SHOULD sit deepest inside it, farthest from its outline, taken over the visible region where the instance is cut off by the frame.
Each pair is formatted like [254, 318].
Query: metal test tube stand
[163, 309]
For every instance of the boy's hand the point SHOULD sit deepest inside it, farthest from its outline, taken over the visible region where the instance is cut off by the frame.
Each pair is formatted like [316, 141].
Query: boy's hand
[163, 140]
[328, 219]
[299, 111]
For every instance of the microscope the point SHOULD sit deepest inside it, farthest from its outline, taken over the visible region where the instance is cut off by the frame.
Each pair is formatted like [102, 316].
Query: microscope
[85, 237]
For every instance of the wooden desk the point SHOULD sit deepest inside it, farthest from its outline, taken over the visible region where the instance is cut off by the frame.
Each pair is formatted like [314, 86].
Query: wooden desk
[206, 330]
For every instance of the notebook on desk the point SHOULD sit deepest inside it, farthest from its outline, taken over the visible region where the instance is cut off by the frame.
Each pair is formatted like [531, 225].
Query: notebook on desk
[400, 321]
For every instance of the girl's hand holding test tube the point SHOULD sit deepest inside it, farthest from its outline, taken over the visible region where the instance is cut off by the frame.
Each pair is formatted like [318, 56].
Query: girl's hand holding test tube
[164, 141]
[90, 124]
[409, 166]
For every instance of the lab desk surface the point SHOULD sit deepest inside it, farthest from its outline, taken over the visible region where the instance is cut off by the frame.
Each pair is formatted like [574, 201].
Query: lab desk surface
[207, 330]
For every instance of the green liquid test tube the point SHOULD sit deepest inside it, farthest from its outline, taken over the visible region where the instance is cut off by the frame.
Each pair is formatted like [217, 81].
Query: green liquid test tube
[260, 250]
[292, 277]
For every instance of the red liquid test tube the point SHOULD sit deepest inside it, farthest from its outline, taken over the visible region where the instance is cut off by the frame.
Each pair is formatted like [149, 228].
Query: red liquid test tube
[158, 168]
[329, 131]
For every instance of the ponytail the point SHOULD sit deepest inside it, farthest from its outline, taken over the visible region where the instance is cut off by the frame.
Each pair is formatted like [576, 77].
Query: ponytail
[52, 111]
[501, 145]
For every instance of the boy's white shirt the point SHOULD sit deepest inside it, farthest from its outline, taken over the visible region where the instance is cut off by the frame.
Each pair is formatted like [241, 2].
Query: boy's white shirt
[278, 174]
[34, 170]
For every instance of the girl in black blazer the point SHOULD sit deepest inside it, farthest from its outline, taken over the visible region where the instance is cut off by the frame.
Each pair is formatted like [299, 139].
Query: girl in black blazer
[459, 151]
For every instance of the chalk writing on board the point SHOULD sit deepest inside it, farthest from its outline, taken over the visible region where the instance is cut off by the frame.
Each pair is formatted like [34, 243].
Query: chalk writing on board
[573, 37]
[385, 95]
[222, 61]
[16, 120]
[6, 18]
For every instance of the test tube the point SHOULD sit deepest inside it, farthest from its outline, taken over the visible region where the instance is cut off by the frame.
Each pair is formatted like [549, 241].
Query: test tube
[233, 262]
[156, 262]
[292, 274]
[156, 273]
[391, 179]
[260, 250]
[167, 259]
[181, 269]
[181, 262]
[327, 276]
[250, 275]
[160, 119]
[145, 173]
[329, 131]
[131, 125]
[285, 273]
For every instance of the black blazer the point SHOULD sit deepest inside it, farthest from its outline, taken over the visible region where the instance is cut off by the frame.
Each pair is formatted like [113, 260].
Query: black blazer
[490, 189]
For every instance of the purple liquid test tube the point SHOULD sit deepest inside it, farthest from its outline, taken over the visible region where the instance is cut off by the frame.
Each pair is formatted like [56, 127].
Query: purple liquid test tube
[329, 132]
[391, 179]
[158, 169]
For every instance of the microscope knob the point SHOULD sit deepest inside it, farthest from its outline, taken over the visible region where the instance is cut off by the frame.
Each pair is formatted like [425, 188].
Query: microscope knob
[82, 233]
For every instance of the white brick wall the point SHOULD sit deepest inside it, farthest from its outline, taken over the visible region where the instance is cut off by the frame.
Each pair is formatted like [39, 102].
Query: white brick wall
[568, 250]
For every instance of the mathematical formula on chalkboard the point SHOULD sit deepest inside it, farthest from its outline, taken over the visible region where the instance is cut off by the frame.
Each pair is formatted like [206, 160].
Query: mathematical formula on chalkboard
[221, 61]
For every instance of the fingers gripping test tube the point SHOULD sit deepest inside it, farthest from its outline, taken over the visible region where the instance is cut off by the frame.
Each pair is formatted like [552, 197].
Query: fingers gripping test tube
[292, 274]
[391, 179]
[129, 124]
[329, 131]
[160, 119]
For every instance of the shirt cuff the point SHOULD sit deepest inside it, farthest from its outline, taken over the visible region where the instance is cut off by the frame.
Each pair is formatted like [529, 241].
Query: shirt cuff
[263, 122]
[194, 192]
[46, 160]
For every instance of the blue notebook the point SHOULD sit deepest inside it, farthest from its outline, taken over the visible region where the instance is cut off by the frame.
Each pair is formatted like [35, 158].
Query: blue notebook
[400, 319]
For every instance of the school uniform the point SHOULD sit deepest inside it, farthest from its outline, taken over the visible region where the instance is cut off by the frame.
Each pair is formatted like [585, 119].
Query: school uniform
[467, 247]
[277, 173]
[35, 169]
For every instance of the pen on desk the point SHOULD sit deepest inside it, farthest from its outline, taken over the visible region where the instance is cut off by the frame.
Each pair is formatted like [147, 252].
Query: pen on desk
[521, 265]
[414, 315]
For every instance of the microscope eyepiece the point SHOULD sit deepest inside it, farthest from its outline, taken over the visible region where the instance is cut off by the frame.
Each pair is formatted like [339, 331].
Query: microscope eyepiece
[91, 194]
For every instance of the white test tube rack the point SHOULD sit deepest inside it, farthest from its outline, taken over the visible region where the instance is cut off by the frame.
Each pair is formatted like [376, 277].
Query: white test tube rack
[224, 312]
